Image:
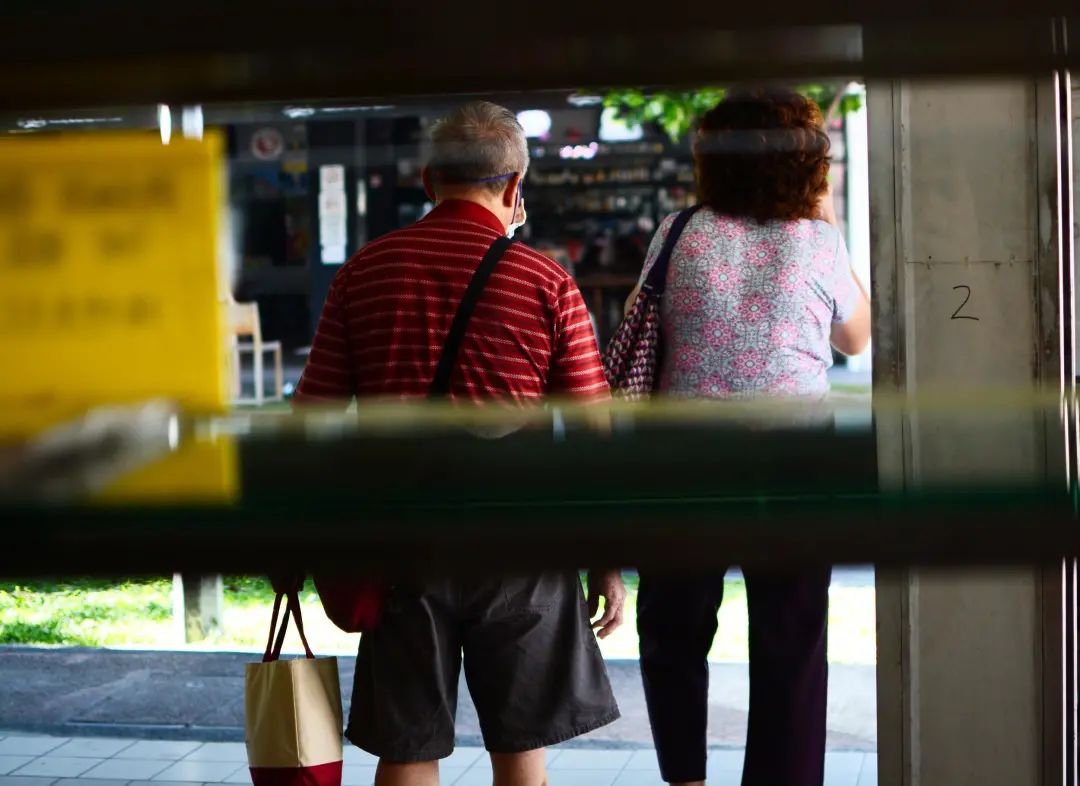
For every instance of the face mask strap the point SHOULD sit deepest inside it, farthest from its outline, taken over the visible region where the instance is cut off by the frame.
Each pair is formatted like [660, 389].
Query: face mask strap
[492, 179]
[518, 202]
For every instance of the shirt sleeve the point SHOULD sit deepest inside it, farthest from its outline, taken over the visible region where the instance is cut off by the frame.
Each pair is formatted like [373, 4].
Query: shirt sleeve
[575, 369]
[657, 243]
[845, 292]
[328, 375]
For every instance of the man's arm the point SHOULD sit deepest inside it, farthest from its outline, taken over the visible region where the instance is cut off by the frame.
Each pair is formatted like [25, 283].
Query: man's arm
[575, 370]
[328, 375]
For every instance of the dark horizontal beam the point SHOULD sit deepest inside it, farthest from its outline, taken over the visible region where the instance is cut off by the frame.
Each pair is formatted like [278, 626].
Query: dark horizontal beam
[664, 497]
[422, 493]
[68, 55]
[948, 529]
[78, 29]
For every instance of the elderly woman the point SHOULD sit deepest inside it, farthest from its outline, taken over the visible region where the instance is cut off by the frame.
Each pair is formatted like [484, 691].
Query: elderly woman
[759, 291]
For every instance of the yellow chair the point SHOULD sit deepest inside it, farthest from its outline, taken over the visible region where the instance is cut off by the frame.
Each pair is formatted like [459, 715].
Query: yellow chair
[244, 322]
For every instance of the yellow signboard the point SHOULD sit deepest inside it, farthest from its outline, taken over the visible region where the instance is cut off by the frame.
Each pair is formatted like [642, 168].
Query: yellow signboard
[199, 471]
[110, 284]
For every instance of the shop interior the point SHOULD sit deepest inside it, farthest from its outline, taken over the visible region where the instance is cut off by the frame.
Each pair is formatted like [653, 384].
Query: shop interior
[308, 185]
[597, 187]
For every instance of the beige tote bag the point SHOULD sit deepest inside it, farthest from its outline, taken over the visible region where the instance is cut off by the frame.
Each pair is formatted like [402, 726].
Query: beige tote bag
[292, 712]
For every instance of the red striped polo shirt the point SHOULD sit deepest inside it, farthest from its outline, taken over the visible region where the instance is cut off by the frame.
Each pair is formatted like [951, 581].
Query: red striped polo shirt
[390, 306]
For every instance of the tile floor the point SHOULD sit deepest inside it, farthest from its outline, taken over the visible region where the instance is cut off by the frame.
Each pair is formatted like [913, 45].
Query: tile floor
[34, 760]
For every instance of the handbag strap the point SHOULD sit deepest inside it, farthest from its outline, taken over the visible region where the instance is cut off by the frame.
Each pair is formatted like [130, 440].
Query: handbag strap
[657, 278]
[268, 655]
[440, 383]
[292, 606]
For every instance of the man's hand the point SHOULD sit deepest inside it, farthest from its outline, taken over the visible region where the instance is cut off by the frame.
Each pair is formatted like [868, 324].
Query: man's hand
[609, 585]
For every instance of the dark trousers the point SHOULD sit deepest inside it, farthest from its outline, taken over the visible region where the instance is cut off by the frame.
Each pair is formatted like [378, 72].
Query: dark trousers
[785, 741]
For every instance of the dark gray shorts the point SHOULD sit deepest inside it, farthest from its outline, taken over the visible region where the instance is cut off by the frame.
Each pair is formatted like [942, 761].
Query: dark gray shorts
[531, 663]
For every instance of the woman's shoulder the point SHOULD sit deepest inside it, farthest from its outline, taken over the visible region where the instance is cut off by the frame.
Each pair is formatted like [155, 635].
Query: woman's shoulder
[805, 233]
[800, 232]
[705, 217]
[665, 223]
[821, 230]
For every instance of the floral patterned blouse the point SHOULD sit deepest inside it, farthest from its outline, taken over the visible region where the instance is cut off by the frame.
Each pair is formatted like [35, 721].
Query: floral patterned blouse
[748, 307]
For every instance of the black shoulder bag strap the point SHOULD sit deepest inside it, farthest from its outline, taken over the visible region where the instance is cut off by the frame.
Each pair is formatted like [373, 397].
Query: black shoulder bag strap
[440, 384]
[657, 278]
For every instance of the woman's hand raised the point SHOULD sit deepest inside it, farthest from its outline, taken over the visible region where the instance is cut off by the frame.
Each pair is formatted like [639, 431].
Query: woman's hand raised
[826, 207]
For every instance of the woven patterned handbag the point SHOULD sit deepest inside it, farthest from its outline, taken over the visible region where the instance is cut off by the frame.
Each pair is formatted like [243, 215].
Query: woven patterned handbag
[632, 357]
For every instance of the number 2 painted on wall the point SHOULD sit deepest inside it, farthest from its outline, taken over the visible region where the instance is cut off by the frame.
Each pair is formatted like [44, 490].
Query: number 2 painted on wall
[967, 296]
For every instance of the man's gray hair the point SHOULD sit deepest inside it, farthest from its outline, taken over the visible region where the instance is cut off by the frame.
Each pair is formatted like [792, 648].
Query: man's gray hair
[475, 144]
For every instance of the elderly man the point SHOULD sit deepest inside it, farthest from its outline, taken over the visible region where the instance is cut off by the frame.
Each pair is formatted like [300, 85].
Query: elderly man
[532, 665]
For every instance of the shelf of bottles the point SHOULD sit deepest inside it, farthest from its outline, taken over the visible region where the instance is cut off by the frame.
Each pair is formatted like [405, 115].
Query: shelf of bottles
[594, 207]
[638, 188]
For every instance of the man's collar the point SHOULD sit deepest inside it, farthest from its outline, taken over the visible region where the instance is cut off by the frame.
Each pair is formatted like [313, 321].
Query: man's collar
[464, 210]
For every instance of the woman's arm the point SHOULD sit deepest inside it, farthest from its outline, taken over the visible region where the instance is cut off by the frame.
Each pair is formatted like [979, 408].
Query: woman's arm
[852, 335]
[827, 207]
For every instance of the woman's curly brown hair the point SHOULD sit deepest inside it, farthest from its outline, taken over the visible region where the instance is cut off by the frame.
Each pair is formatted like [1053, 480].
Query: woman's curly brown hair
[764, 154]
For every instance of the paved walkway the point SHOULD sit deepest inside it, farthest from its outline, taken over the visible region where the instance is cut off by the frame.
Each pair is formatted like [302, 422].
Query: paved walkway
[27, 760]
[99, 717]
[199, 695]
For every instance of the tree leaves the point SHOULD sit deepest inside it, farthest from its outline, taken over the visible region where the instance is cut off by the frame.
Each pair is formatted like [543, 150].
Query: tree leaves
[676, 112]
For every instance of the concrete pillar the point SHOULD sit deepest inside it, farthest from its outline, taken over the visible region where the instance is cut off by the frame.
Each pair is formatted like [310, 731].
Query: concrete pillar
[198, 605]
[966, 296]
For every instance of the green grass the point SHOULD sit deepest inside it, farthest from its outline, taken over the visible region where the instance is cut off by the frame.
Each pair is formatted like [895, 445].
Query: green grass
[85, 612]
[137, 613]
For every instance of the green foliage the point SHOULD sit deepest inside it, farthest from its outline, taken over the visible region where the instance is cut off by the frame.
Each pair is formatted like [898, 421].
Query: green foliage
[51, 631]
[676, 112]
[101, 612]
[831, 100]
[137, 612]
[84, 612]
[256, 590]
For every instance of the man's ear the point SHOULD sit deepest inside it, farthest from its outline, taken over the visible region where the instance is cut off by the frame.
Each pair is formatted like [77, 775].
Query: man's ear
[429, 188]
[509, 195]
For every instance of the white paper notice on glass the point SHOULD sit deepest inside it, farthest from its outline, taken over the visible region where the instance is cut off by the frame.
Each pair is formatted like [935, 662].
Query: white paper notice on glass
[332, 229]
[332, 177]
[333, 255]
[331, 203]
[333, 223]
